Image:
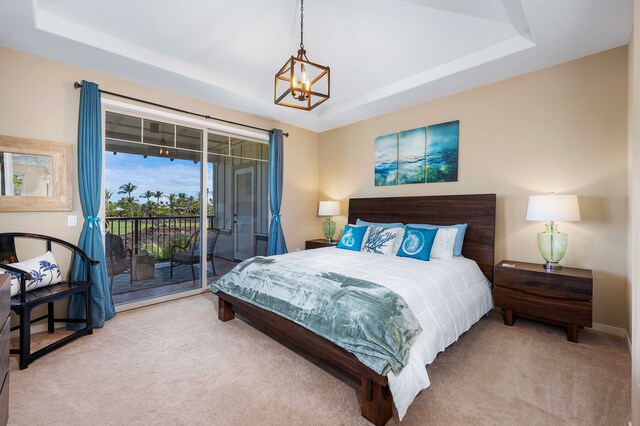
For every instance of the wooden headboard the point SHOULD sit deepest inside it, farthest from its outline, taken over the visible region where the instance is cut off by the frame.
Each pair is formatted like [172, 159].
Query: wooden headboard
[477, 211]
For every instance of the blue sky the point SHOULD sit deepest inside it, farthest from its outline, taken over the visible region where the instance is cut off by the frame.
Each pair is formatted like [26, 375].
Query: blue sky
[153, 174]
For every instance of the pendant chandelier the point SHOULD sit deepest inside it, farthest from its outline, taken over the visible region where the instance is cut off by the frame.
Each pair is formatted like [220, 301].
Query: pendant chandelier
[301, 83]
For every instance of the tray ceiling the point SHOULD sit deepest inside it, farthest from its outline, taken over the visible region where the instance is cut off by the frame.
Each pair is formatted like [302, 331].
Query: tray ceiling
[384, 54]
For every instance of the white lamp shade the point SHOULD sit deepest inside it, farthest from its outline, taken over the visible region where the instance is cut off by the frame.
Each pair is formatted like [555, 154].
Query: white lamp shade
[553, 208]
[329, 208]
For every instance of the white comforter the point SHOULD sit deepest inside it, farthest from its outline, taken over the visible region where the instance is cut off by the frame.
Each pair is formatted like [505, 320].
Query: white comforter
[446, 296]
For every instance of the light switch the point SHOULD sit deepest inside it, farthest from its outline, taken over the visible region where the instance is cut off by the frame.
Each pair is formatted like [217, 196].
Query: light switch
[72, 220]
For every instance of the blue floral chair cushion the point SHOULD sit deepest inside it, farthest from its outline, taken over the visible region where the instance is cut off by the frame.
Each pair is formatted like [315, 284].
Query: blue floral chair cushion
[44, 271]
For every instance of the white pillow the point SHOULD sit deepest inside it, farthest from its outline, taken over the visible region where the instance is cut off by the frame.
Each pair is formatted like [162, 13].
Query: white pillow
[399, 239]
[443, 244]
[384, 241]
[44, 271]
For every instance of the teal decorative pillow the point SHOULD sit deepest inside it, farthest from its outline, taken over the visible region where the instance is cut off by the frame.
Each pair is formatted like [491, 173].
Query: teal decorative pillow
[383, 240]
[417, 243]
[43, 270]
[352, 237]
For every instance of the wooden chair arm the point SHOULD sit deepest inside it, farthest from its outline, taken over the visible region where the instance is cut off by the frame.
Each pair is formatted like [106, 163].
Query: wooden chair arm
[63, 243]
[16, 270]
[24, 276]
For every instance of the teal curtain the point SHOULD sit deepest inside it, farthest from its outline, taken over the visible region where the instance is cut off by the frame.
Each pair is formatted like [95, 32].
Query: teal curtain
[277, 245]
[90, 183]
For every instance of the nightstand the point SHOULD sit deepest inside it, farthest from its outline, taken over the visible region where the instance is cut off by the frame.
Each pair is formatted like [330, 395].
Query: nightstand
[562, 296]
[319, 243]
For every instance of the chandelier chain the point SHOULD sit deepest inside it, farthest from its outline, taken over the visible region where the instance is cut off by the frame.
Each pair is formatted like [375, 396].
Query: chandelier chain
[302, 24]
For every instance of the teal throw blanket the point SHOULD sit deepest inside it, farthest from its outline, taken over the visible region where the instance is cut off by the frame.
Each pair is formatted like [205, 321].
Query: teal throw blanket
[368, 320]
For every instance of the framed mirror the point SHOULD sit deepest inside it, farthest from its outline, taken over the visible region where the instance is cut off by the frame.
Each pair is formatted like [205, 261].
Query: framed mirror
[35, 175]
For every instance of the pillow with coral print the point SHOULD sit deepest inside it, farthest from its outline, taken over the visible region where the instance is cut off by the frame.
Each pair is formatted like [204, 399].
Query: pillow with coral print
[43, 270]
[383, 240]
[443, 244]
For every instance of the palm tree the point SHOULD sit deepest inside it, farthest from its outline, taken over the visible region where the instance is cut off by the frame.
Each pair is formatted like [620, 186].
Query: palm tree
[108, 204]
[173, 198]
[181, 202]
[128, 188]
[193, 205]
[148, 195]
[158, 195]
[147, 206]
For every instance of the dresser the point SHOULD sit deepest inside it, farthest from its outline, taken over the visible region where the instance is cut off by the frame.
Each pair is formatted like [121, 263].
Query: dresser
[562, 297]
[5, 298]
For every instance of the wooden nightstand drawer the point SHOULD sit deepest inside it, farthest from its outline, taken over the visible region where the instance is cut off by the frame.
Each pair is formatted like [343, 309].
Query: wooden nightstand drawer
[4, 371]
[544, 284]
[5, 297]
[4, 400]
[549, 308]
[319, 243]
[5, 335]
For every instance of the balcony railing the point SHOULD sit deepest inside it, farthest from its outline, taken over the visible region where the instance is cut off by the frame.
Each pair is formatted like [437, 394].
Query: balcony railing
[155, 235]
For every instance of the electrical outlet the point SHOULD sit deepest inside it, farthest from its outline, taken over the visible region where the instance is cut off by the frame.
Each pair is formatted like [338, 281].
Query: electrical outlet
[72, 220]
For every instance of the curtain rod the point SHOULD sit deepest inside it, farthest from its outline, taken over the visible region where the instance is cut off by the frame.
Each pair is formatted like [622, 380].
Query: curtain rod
[79, 85]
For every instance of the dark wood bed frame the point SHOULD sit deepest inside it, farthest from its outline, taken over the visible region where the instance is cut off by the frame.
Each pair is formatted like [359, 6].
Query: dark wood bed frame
[478, 211]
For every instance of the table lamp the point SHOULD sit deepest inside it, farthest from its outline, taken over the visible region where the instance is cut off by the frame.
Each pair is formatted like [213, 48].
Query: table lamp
[329, 209]
[553, 208]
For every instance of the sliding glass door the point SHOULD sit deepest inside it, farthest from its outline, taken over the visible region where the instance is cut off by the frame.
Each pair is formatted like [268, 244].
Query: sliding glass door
[238, 177]
[167, 228]
[243, 216]
[153, 221]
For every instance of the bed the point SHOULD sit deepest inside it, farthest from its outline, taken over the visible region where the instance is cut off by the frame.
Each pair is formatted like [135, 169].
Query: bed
[467, 299]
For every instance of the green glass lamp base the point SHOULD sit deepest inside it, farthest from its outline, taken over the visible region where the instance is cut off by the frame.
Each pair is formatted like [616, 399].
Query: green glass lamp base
[552, 245]
[328, 229]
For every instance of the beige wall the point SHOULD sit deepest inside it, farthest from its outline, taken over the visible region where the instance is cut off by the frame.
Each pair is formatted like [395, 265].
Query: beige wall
[38, 101]
[300, 187]
[634, 211]
[561, 129]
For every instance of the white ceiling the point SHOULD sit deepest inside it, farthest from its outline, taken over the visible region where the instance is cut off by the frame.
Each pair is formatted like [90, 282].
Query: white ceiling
[384, 54]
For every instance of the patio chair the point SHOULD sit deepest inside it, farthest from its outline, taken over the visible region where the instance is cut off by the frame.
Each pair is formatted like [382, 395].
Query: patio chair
[118, 259]
[189, 253]
[25, 302]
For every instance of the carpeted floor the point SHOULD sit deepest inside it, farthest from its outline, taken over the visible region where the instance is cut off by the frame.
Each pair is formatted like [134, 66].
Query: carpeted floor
[176, 364]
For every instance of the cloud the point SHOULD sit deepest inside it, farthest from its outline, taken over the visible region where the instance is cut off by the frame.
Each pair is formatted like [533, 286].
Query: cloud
[151, 174]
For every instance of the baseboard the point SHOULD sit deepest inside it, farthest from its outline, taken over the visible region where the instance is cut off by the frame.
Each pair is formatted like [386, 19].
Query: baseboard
[40, 328]
[609, 329]
[616, 331]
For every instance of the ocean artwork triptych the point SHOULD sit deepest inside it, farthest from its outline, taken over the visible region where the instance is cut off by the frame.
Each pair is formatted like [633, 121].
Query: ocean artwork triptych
[423, 155]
